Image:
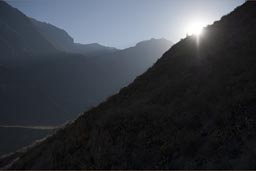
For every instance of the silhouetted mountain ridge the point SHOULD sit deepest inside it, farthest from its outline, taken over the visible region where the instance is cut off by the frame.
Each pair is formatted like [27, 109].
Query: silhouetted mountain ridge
[19, 36]
[57, 36]
[64, 42]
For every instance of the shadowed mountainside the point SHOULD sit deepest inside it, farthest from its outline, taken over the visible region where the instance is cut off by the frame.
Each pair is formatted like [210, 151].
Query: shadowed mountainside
[194, 109]
[58, 87]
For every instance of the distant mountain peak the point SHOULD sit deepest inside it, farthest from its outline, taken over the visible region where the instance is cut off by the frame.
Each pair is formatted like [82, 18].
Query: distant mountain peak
[153, 41]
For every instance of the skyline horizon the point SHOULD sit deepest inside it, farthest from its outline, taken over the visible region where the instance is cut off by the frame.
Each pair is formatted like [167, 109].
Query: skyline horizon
[132, 44]
[118, 33]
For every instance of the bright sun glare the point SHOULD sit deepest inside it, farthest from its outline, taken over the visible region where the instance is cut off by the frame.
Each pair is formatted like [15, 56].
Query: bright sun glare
[195, 28]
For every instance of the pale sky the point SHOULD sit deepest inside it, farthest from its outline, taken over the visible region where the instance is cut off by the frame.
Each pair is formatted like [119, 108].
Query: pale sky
[122, 23]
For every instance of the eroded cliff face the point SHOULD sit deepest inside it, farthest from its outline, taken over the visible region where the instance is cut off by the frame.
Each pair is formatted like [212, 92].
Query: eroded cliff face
[194, 109]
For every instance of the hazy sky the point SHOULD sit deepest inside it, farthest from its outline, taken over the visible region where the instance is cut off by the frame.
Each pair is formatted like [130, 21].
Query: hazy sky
[122, 23]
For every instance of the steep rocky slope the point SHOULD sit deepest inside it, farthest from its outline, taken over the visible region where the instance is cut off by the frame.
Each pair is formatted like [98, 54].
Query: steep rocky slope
[194, 109]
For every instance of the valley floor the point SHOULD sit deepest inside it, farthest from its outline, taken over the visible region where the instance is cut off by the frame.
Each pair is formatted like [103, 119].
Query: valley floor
[14, 137]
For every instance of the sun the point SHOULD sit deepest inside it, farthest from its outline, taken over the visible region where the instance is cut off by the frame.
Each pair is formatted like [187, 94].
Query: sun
[195, 28]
